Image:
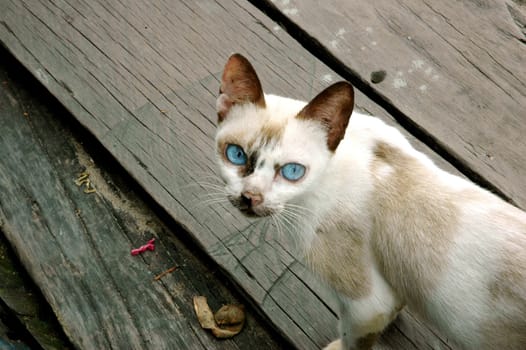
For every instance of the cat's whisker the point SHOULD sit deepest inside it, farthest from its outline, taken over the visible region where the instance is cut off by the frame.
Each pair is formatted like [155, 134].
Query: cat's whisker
[213, 179]
[254, 229]
[214, 200]
[204, 174]
[299, 208]
[207, 185]
[211, 185]
[203, 181]
[288, 224]
[295, 214]
[295, 217]
[199, 204]
[265, 230]
[216, 192]
[213, 195]
[277, 224]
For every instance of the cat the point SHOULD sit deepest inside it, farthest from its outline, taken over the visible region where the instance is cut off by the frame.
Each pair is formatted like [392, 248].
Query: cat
[378, 221]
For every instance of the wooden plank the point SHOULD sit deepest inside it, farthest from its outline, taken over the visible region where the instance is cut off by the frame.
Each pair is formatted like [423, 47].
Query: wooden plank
[455, 72]
[77, 245]
[143, 79]
[28, 317]
[10, 337]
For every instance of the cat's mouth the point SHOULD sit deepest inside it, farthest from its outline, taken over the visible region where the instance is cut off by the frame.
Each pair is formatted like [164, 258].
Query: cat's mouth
[245, 206]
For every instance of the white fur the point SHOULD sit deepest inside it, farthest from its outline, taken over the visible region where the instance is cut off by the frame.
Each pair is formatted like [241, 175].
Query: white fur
[342, 185]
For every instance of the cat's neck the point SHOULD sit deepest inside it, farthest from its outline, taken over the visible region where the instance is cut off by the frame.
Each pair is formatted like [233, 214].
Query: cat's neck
[349, 186]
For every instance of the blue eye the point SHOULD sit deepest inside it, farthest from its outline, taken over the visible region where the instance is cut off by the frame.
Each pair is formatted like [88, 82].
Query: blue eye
[235, 155]
[292, 171]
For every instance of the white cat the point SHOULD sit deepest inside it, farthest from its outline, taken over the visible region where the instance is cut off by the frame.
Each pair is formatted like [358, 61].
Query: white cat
[378, 220]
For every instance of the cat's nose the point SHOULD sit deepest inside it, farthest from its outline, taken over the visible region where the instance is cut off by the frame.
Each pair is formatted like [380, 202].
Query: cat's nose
[251, 198]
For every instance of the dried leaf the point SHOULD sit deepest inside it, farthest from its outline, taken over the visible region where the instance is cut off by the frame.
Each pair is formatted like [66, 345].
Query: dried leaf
[230, 315]
[227, 321]
[225, 333]
[203, 312]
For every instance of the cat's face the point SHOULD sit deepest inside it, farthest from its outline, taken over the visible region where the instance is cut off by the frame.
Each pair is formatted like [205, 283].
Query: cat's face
[266, 160]
[273, 151]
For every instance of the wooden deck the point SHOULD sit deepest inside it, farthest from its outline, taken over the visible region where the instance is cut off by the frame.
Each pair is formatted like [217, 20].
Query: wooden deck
[83, 241]
[142, 78]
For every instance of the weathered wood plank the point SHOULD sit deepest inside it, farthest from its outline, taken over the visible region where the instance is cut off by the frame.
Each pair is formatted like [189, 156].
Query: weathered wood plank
[143, 79]
[29, 317]
[10, 336]
[455, 72]
[77, 245]
[23, 309]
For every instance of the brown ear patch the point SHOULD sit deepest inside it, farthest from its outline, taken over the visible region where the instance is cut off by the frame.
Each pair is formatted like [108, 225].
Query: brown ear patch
[332, 107]
[239, 84]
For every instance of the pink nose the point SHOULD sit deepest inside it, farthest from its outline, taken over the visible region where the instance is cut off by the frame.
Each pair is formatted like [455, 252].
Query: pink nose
[252, 198]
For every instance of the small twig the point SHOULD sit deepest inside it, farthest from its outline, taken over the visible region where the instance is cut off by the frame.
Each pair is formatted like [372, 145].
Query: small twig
[164, 273]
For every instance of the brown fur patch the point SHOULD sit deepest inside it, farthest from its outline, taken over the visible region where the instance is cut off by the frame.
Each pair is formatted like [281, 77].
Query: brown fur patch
[337, 246]
[414, 222]
[366, 342]
[510, 280]
[504, 334]
[508, 290]
[272, 132]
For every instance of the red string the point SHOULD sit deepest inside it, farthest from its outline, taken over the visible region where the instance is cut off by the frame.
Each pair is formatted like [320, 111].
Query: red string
[148, 246]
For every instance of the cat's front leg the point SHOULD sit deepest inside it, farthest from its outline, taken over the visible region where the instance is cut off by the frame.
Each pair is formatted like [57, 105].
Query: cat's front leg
[359, 326]
[365, 343]
[363, 320]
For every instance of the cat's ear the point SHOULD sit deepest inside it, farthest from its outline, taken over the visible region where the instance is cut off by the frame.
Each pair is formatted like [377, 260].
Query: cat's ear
[239, 85]
[332, 107]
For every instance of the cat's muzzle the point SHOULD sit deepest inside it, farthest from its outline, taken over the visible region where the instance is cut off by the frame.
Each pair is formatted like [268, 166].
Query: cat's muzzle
[250, 205]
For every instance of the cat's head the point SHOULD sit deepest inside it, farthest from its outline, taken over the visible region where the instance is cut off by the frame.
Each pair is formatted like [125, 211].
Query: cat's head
[273, 150]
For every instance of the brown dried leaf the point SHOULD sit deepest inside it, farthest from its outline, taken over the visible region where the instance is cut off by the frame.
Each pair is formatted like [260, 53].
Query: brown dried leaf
[226, 333]
[230, 315]
[230, 318]
[203, 312]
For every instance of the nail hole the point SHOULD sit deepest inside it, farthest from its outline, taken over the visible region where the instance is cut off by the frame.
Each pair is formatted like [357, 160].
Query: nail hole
[378, 76]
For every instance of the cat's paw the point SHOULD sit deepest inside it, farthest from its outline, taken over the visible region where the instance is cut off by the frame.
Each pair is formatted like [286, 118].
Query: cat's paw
[335, 345]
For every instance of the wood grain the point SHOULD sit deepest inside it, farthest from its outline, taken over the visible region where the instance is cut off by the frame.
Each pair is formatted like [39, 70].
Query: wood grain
[455, 73]
[27, 317]
[143, 79]
[77, 245]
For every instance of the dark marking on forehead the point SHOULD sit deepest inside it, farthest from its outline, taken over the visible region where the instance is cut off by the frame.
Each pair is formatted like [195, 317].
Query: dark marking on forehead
[269, 134]
[249, 168]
